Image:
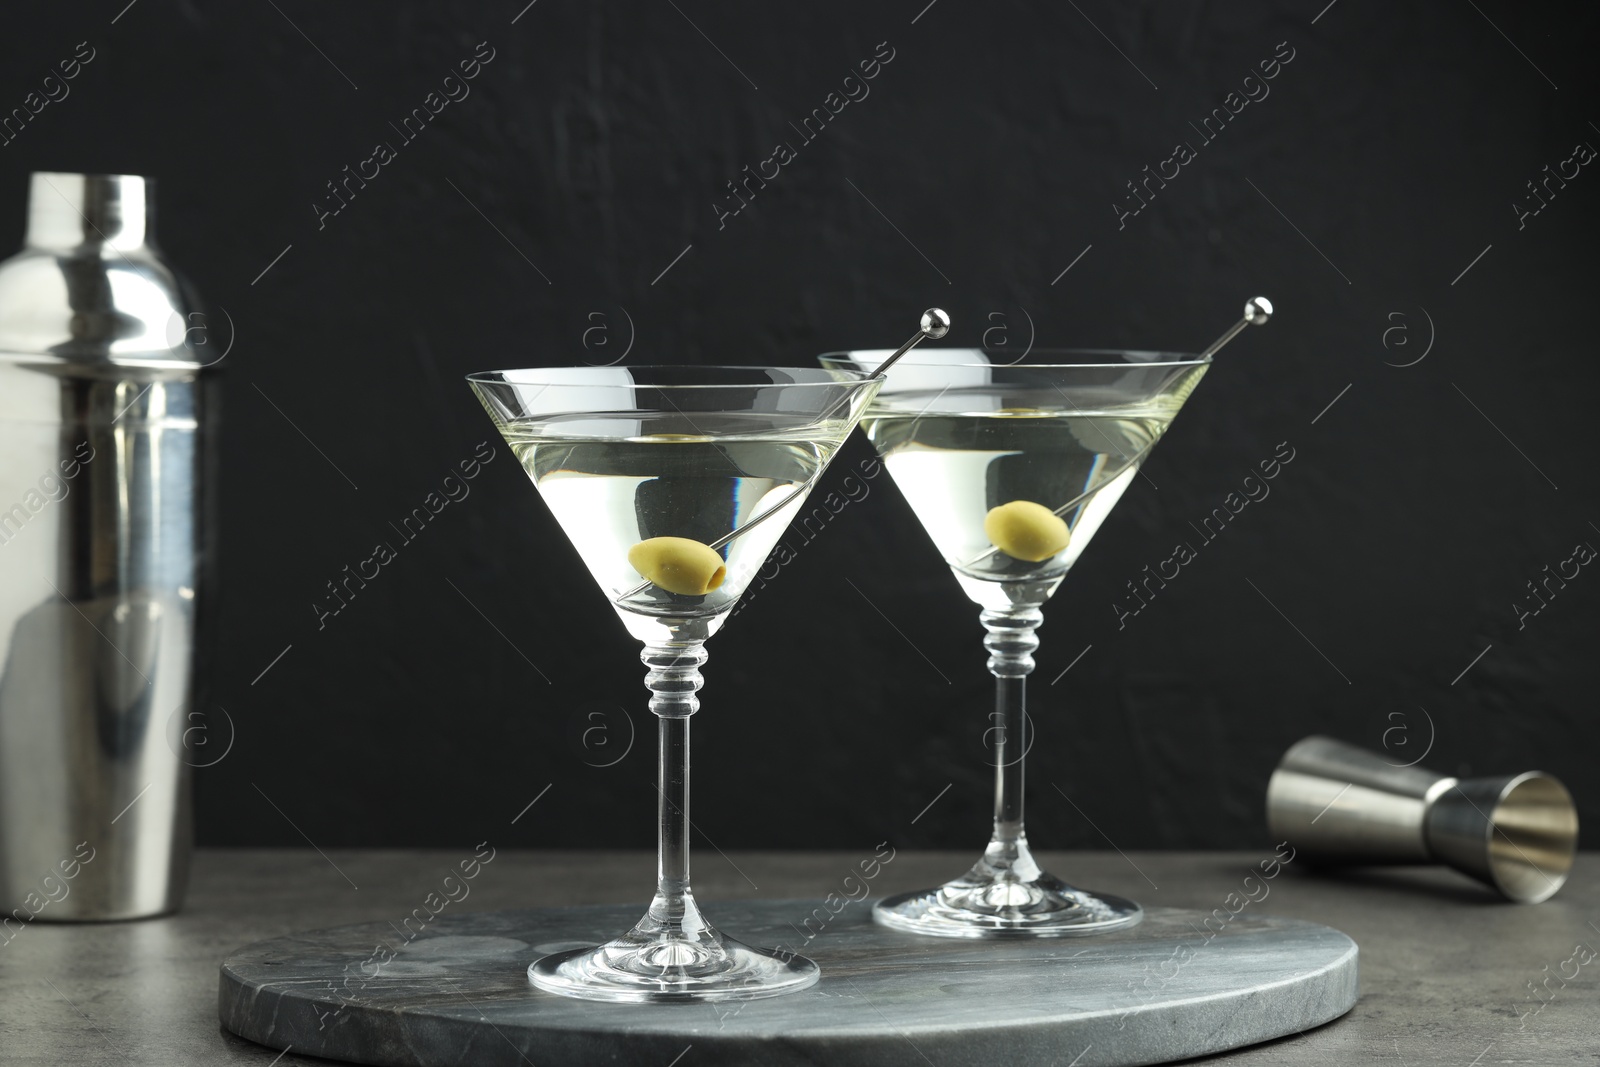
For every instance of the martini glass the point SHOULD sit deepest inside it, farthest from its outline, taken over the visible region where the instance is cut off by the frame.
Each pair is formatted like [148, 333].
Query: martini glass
[1011, 469]
[673, 484]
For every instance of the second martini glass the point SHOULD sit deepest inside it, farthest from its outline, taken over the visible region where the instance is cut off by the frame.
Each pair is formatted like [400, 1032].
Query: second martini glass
[1011, 470]
[673, 484]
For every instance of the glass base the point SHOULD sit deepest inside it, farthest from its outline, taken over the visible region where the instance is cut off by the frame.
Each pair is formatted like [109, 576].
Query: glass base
[661, 962]
[1006, 899]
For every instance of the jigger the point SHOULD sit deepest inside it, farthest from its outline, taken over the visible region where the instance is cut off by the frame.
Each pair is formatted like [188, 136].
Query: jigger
[1336, 803]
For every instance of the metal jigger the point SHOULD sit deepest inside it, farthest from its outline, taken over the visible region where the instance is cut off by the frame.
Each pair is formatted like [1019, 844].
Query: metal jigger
[1336, 803]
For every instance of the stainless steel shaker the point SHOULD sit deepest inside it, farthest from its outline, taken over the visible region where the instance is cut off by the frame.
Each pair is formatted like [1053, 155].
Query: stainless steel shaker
[100, 427]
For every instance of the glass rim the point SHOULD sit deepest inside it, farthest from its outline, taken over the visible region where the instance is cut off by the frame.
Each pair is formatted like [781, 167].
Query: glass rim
[911, 359]
[495, 377]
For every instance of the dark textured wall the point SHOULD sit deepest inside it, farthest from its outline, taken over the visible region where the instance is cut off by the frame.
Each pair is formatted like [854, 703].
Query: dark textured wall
[1372, 595]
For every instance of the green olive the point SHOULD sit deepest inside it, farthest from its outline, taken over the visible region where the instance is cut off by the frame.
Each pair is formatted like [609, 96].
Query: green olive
[678, 565]
[1025, 530]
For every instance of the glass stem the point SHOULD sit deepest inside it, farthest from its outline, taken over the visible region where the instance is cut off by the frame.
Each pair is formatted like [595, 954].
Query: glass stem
[673, 680]
[1011, 642]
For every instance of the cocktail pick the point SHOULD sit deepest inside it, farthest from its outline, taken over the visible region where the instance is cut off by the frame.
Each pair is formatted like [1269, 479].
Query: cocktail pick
[1257, 310]
[935, 324]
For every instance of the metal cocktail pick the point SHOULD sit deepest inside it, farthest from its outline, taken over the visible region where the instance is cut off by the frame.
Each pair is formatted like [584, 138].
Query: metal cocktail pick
[1257, 310]
[935, 324]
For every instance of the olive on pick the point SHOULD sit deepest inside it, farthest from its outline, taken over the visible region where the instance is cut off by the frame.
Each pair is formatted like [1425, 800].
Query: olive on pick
[1027, 531]
[678, 564]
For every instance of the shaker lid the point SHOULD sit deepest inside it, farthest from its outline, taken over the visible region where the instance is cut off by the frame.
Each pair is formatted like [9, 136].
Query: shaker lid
[89, 286]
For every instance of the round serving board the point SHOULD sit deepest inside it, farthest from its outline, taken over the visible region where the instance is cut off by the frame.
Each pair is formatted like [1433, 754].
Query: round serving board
[1168, 989]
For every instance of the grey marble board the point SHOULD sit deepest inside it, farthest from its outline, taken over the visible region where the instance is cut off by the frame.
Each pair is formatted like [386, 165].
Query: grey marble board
[1170, 988]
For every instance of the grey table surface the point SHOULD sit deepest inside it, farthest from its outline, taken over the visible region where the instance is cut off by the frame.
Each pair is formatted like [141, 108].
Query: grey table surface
[1448, 974]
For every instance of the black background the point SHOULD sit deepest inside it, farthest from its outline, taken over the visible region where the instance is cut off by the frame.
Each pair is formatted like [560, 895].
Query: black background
[984, 162]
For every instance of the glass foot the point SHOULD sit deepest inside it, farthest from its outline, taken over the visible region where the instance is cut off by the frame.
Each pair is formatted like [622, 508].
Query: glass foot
[1006, 900]
[661, 963]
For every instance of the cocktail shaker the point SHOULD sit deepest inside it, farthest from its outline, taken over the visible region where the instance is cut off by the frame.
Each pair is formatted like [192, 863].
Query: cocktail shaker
[100, 423]
[1336, 803]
